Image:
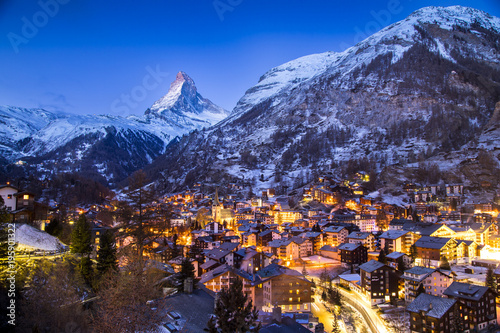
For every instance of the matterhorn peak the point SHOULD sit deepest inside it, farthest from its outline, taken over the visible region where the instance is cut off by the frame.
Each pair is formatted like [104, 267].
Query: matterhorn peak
[185, 107]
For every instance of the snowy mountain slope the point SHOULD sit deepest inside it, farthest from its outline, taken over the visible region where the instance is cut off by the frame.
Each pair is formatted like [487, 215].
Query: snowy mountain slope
[103, 146]
[395, 40]
[419, 87]
[17, 124]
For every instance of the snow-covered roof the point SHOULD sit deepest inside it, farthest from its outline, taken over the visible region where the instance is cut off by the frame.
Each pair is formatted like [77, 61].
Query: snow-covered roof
[433, 306]
[371, 265]
[394, 234]
[465, 291]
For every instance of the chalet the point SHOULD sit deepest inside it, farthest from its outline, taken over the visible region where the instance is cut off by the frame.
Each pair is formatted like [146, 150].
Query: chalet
[431, 314]
[379, 282]
[352, 254]
[306, 247]
[365, 238]
[480, 301]
[329, 251]
[396, 240]
[454, 190]
[395, 258]
[266, 236]
[430, 250]
[365, 222]
[285, 249]
[285, 216]
[223, 276]
[214, 227]
[482, 231]
[429, 280]
[336, 235]
[466, 251]
[223, 256]
[316, 239]
[252, 261]
[7, 193]
[397, 224]
[285, 288]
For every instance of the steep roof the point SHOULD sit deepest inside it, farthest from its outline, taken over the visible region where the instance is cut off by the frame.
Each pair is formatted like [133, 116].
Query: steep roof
[395, 255]
[274, 270]
[224, 269]
[359, 235]
[465, 291]
[433, 306]
[371, 265]
[394, 234]
[334, 229]
[349, 246]
[429, 242]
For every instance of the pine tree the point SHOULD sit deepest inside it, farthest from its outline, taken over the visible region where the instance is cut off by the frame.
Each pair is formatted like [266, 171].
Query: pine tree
[187, 271]
[401, 264]
[86, 270]
[106, 255]
[490, 279]
[81, 237]
[445, 264]
[54, 228]
[413, 253]
[382, 257]
[234, 312]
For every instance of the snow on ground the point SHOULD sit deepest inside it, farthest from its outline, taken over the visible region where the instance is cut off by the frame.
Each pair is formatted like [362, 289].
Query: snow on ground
[30, 238]
[389, 198]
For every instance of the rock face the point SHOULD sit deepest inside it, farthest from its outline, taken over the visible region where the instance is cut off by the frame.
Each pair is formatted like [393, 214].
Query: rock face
[103, 147]
[416, 89]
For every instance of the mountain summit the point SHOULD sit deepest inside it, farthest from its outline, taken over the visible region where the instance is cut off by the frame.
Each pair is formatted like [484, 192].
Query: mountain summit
[184, 107]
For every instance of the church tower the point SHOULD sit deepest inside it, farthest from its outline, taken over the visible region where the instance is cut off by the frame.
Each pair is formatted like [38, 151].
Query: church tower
[217, 207]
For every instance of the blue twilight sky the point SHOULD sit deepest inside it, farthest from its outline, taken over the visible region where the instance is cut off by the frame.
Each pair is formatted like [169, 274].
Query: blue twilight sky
[84, 56]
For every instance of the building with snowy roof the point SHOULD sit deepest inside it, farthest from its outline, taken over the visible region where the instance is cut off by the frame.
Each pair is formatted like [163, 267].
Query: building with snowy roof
[481, 301]
[432, 314]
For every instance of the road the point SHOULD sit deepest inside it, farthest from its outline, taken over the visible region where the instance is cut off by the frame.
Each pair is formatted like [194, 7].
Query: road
[374, 322]
[325, 317]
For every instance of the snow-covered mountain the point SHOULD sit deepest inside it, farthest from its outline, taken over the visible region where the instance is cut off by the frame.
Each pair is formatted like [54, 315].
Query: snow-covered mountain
[418, 88]
[184, 107]
[109, 146]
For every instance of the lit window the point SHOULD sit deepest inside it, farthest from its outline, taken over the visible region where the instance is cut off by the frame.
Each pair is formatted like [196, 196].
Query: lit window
[290, 307]
[26, 196]
[305, 306]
